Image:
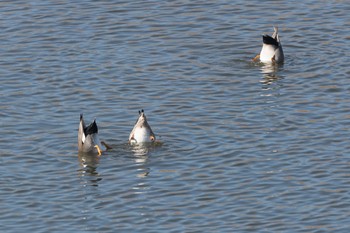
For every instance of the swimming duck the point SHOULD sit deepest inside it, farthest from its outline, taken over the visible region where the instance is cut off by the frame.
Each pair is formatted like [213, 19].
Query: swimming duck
[88, 141]
[142, 132]
[271, 51]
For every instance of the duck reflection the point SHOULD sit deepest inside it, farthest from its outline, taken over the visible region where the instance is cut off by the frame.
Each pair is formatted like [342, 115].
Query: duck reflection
[141, 186]
[140, 152]
[271, 85]
[89, 163]
[270, 72]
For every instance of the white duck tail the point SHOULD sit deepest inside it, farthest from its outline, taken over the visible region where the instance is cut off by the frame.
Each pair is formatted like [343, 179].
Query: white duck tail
[272, 48]
[142, 132]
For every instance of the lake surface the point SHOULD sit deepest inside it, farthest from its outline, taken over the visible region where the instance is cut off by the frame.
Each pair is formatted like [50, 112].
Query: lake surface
[246, 147]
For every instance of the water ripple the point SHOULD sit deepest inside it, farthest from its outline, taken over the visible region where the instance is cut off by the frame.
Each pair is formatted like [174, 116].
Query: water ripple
[244, 146]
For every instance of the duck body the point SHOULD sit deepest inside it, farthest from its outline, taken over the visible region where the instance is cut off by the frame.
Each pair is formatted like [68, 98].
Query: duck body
[272, 49]
[88, 140]
[142, 132]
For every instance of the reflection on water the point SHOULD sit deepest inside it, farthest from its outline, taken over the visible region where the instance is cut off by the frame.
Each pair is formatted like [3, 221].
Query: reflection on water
[141, 188]
[244, 140]
[140, 152]
[141, 155]
[89, 163]
[88, 186]
[270, 73]
[271, 86]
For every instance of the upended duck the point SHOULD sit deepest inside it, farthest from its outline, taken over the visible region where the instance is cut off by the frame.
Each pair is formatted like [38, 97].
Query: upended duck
[142, 132]
[88, 140]
[271, 51]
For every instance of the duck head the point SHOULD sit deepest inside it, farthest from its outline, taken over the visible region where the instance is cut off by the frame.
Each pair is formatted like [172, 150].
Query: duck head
[142, 132]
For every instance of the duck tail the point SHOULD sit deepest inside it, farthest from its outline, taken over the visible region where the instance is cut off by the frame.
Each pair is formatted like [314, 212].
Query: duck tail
[91, 129]
[269, 40]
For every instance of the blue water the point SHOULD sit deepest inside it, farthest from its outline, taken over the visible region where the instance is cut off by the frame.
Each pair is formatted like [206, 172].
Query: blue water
[246, 147]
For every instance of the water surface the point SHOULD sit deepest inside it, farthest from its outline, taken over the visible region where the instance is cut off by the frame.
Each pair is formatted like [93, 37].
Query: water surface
[246, 147]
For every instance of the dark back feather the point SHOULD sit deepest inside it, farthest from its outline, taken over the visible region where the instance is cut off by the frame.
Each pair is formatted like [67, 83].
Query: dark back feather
[91, 129]
[269, 40]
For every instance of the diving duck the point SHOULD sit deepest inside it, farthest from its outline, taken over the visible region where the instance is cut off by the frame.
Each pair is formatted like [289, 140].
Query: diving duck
[271, 51]
[142, 132]
[88, 141]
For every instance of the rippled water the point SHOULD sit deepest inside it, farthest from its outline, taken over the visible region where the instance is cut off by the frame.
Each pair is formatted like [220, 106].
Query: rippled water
[246, 147]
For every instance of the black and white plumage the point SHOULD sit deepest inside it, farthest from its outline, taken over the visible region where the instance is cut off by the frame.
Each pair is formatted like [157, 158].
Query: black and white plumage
[88, 141]
[142, 132]
[272, 48]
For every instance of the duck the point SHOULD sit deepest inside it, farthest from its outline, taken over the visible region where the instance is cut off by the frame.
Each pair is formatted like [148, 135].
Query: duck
[142, 132]
[88, 140]
[271, 51]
